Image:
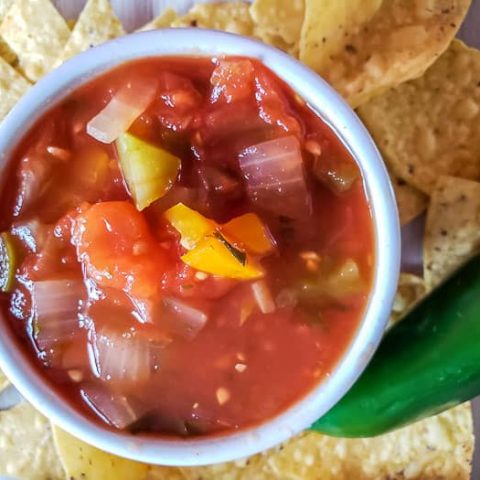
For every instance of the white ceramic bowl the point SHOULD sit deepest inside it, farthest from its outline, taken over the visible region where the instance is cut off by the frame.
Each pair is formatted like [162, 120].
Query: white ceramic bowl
[322, 98]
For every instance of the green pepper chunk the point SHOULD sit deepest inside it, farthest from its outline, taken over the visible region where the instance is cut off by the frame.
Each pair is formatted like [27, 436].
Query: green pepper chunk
[149, 171]
[427, 363]
[8, 261]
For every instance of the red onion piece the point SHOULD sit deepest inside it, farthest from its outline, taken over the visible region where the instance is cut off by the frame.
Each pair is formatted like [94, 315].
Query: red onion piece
[183, 319]
[120, 357]
[118, 410]
[56, 305]
[275, 177]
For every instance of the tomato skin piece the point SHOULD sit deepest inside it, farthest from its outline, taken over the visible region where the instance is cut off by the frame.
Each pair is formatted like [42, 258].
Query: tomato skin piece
[117, 249]
[232, 80]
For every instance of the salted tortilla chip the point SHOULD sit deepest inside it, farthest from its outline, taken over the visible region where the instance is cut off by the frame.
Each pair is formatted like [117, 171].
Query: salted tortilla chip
[277, 19]
[4, 6]
[431, 126]
[7, 53]
[374, 53]
[164, 20]
[84, 462]
[36, 33]
[411, 289]
[411, 202]
[233, 17]
[452, 232]
[328, 26]
[96, 24]
[3, 381]
[26, 445]
[12, 87]
[438, 447]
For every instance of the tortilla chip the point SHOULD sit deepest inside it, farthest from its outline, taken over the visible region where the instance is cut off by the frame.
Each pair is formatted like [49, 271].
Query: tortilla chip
[3, 381]
[278, 21]
[438, 447]
[96, 24]
[329, 25]
[4, 6]
[452, 232]
[231, 17]
[410, 201]
[411, 289]
[12, 87]
[164, 20]
[84, 462]
[36, 33]
[431, 126]
[26, 445]
[7, 53]
[365, 55]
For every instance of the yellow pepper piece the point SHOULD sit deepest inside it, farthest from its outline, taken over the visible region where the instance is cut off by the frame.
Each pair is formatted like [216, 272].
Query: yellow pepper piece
[192, 226]
[149, 171]
[216, 256]
[250, 231]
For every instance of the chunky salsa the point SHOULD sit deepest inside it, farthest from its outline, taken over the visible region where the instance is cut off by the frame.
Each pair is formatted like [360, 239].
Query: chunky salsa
[186, 247]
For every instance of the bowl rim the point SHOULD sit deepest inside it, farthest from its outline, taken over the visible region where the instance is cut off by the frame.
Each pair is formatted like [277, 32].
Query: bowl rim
[346, 125]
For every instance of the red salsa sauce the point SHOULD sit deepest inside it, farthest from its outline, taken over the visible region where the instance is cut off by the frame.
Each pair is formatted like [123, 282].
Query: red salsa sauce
[187, 248]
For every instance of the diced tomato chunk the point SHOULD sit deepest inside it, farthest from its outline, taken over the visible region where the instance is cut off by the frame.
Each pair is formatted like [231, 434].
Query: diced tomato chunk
[232, 80]
[273, 106]
[117, 249]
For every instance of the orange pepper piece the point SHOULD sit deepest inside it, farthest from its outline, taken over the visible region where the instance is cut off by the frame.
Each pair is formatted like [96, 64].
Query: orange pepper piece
[251, 233]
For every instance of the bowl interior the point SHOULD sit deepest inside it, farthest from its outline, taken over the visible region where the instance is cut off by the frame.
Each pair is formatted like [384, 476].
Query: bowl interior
[348, 128]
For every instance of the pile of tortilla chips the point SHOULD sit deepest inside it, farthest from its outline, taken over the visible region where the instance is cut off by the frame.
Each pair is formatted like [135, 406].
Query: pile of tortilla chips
[417, 90]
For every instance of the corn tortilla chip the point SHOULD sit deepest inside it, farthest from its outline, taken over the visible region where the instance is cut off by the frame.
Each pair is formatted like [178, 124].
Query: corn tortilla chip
[36, 33]
[397, 44]
[277, 18]
[164, 20]
[328, 26]
[12, 87]
[233, 17]
[439, 447]
[26, 445]
[411, 289]
[3, 381]
[431, 126]
[7, 53]
[452, 232]
[96, 24]
[84, 462]
[411, 202]
[4, 6]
